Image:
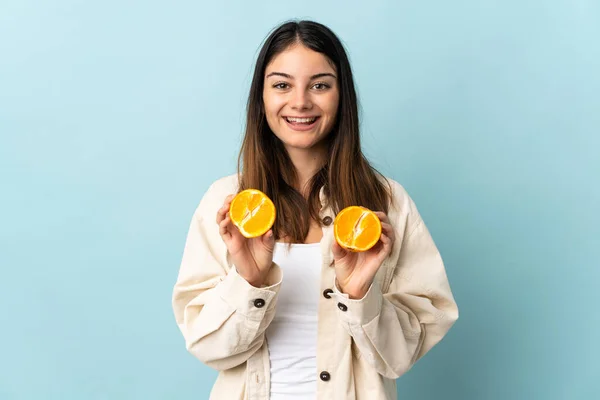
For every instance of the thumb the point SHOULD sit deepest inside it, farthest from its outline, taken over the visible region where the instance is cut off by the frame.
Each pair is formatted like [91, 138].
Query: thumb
[338, 251]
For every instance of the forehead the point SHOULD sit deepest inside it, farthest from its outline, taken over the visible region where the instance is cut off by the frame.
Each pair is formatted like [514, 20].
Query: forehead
[300, 61]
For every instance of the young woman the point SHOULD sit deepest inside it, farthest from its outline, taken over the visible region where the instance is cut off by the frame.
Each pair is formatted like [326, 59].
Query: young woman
[291, 314]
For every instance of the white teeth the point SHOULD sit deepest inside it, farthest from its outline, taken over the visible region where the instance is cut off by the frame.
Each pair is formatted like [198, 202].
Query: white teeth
[301, 120]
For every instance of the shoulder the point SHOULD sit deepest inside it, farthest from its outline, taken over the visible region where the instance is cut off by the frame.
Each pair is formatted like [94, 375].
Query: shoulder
[403, 211]
[216, 193]
[400, 200]
[227, 184]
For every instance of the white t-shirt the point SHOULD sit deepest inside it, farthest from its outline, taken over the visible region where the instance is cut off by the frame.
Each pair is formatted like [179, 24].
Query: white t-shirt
[292, 335]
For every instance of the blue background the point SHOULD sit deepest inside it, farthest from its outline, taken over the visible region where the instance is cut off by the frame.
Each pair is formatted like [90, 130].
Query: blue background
[116, 116]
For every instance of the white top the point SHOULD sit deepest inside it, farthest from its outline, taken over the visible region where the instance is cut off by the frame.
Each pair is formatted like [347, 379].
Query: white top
[292, 335]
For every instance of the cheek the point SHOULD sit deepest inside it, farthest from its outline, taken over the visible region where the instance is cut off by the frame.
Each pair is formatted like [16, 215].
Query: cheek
[331, 111]
[330, 106]
[272, 107]
[267, 103]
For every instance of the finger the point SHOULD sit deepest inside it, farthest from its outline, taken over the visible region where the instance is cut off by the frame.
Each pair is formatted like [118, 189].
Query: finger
[385, 227]
[376, 249]
[224, 227]
[388, 230]
[224, 208]
[384, 239]
[382, 216]
[222, 212]
[386, 246]
[228, 199]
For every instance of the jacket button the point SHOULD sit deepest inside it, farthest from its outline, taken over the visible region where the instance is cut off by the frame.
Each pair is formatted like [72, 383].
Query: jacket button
[342, 307]
[258, 303]
[325, 376]
[327, 221]
[326, 293]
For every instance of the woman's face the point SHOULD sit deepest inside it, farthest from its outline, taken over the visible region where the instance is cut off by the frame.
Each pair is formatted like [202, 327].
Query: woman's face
[300, 97]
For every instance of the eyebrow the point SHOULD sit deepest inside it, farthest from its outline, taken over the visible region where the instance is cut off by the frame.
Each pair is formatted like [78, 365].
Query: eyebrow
[288, 76]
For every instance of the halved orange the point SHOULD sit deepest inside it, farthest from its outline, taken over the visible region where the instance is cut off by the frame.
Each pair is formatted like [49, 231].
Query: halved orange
[252, 212]
[357, 228]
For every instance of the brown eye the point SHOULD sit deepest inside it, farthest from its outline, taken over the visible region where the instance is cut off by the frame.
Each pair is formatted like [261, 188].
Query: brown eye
[321, 86]
[280, 85]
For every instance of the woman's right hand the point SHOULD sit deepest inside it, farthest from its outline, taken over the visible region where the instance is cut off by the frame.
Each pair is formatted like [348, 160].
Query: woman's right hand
[252, 257]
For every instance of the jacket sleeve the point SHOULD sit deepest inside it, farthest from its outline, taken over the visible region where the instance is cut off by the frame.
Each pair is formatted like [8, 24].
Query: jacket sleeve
[392, 330]
[221, 316]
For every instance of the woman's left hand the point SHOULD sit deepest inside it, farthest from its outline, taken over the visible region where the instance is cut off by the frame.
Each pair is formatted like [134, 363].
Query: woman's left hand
[355, 271]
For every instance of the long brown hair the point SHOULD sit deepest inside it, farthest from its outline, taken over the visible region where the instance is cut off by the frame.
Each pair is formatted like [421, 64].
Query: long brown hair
[347, 178]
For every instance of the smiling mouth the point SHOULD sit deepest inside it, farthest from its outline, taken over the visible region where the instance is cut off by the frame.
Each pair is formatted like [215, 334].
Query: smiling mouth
[301, 121]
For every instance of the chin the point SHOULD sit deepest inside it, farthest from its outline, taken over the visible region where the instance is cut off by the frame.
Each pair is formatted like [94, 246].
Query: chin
[299, 145]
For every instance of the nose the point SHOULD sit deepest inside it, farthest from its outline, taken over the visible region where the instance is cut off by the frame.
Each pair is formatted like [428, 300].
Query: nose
[301, 100]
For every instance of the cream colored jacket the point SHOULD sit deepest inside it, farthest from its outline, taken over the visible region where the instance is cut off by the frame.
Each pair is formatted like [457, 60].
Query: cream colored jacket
[363, 345]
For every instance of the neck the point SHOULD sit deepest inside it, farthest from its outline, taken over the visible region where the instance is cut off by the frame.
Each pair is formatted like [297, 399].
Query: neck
[307, 163]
